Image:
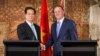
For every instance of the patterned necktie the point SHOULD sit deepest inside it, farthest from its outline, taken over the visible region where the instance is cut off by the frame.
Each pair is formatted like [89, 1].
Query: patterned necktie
[34, 31]
[58, 28]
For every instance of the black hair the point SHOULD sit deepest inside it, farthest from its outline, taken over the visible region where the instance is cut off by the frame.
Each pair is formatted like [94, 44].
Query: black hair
[27, 8]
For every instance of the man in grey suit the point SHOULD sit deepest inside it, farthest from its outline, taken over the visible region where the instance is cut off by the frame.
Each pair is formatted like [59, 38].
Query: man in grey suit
[61, 29]
[28, 30]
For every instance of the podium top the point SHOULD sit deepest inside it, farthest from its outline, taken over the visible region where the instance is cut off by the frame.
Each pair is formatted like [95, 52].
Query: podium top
[79, 43]
[21, 43]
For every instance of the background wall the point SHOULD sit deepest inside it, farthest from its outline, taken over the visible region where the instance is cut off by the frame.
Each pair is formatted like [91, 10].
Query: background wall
[12, 14]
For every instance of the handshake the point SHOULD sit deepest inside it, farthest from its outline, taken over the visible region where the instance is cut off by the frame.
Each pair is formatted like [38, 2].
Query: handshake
[43, 47]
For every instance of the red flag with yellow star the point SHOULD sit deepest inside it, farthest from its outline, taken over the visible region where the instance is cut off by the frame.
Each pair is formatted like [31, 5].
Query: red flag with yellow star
[44, 26]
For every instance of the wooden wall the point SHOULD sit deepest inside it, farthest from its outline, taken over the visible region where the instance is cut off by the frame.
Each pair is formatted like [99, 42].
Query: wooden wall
[12, 14]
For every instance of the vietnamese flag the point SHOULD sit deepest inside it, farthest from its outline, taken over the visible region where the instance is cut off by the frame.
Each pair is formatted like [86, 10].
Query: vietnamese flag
[44, 27]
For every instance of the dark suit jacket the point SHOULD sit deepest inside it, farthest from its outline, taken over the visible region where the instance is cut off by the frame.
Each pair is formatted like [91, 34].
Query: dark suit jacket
[25, 33]
[67, 32]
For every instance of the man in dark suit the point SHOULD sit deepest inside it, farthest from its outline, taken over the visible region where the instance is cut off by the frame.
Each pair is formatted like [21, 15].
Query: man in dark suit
[62, 29]
[28, 30]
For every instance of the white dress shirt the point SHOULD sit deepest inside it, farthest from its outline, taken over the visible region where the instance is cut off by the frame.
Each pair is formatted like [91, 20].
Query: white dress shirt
[59, 24]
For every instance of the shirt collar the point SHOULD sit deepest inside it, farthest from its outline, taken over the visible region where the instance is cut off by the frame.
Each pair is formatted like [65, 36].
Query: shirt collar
[61, 20]
[29, 23]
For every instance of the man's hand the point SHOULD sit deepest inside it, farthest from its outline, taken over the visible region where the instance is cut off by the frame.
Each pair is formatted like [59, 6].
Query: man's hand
[42, 46]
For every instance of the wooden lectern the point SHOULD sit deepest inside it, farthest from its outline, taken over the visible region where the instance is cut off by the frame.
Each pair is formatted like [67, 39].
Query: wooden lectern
[22, 48]
[79, 48]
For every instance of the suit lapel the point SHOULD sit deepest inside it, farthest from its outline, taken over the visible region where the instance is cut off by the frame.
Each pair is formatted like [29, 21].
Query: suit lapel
[28, 27]
[54, 32]
[29, 30]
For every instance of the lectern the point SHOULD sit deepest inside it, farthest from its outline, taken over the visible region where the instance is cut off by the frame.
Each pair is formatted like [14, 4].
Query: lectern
[79, 48]
[22, 48]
